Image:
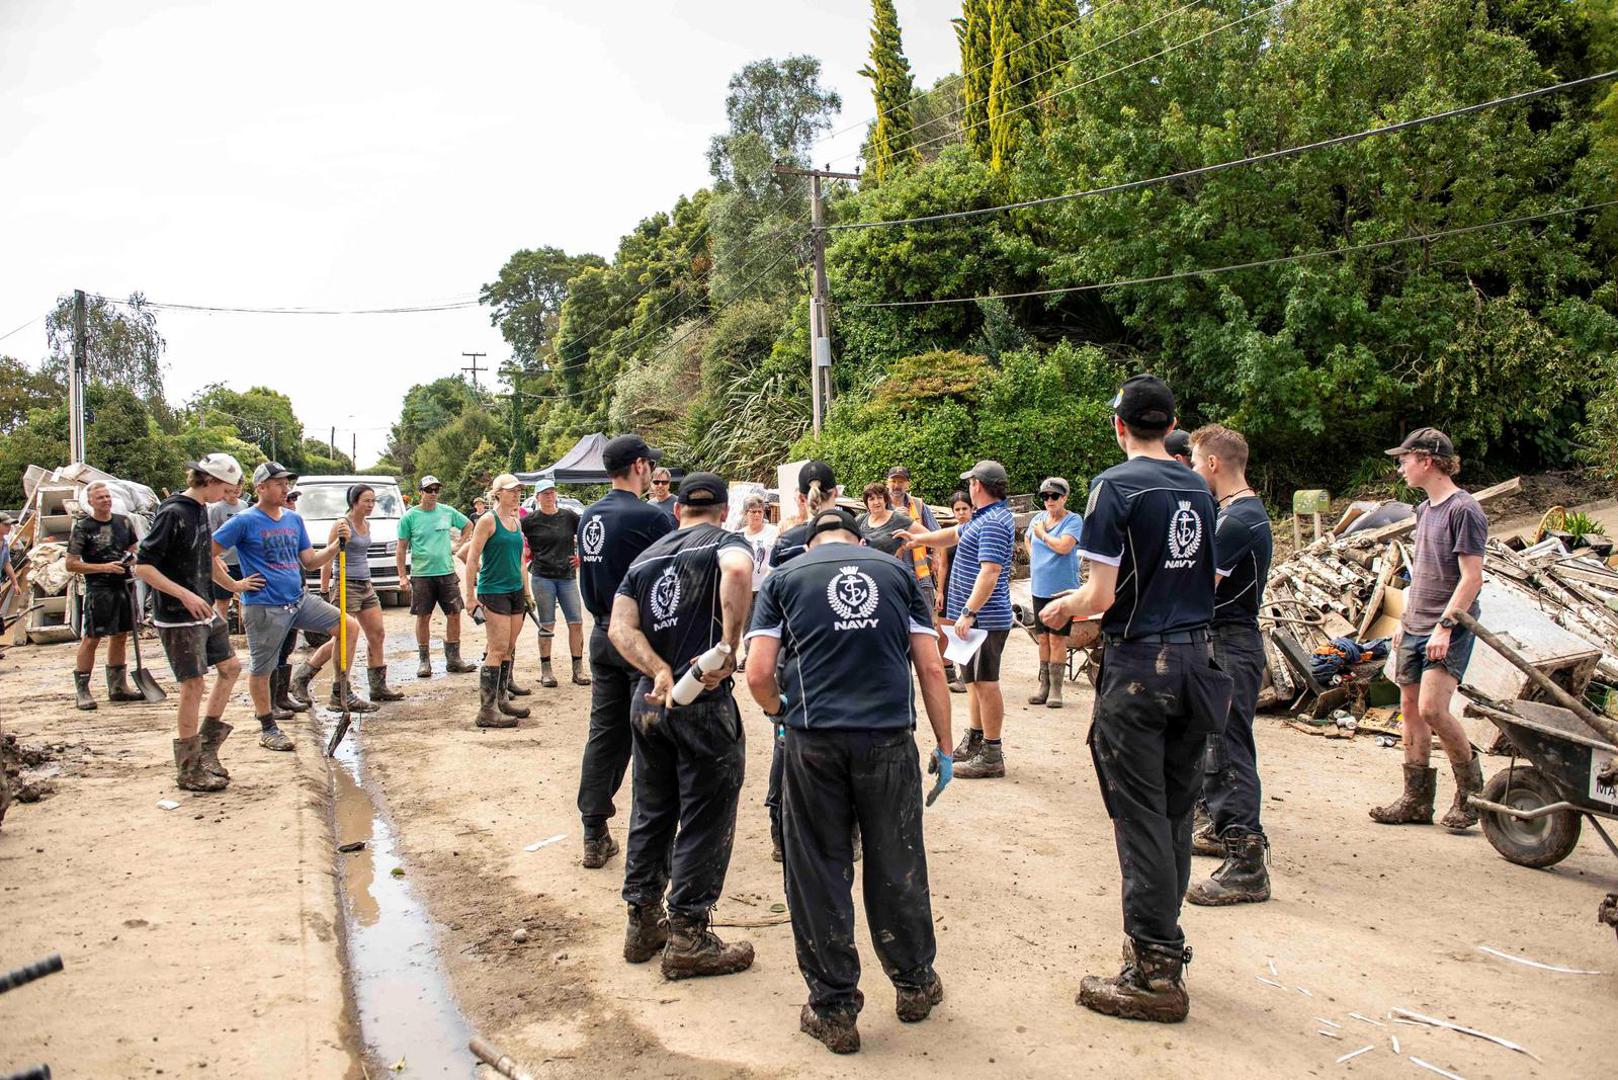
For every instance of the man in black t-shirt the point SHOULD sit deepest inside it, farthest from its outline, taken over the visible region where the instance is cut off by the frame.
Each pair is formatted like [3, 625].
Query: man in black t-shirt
[1242, 550]
[1149, 539]
[100, 548]
[176, 559]
[662, 495]
[613, 531]
[685, 595]
[552, 534]
[833, 640]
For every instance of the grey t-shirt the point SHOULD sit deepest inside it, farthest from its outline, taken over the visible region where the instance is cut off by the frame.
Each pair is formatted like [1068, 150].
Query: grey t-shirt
[219, 513]
[1457, 526]
[881, 536]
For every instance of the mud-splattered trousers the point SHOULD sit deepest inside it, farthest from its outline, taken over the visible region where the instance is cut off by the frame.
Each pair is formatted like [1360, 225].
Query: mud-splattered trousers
[1156, 703]
[834, 779]
[689, 764]
[607, 747]
[772, 794]
[1232, 788]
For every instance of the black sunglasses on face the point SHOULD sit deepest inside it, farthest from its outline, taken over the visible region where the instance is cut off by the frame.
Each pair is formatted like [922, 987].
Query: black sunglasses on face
[661, 483]
[431, 490]
[1049, 495]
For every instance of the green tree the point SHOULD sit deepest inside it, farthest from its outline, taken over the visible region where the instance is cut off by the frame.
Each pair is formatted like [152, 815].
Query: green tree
[449, 452]
[526, 300]
[972, 34]
[781, 103]
[427, 408]
[40, 440]
[891, 143]
[22, 390]
[1013, 24]
[258, 415]
[122, 345]
[315, 458]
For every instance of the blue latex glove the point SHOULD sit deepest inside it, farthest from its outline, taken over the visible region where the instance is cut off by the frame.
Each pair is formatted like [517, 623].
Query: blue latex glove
[944, 765]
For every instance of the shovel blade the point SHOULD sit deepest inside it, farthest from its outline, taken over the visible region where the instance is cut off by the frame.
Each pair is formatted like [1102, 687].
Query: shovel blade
[337, 734]
[147, 683]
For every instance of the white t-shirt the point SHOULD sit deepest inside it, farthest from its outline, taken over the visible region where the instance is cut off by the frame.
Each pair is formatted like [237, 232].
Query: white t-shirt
[762, 543]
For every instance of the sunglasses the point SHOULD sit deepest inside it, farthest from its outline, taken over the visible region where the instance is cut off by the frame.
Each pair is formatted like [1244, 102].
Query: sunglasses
[431, 490]
[661, 483]
[1049, 495]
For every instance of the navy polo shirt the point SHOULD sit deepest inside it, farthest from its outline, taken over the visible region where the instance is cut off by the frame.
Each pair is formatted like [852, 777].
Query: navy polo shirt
[613, 531]
[990, 535]
[676, 584]
[1243, 547]
[793, 542]
[844, 614]
[1154, 521]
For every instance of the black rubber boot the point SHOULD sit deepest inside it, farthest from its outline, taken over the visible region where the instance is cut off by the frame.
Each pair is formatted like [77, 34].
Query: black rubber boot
[646, 934]
[547, 677]
[489, 715]
[1468, 781]
[694, 950]
[281, 691]
[503, 698]
[579, 677]
[1415, 806]
[452, 659]
[298, 685]
[424, 665]
[118, 688]
[81, 687]
[969, 745]
[1241, 879]
[1150, 986]
[277, 713]
[214, 732]
[188, 761]
[380, 690]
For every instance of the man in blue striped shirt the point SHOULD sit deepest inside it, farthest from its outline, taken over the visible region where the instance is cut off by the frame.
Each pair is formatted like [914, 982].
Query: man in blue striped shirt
[980, 601]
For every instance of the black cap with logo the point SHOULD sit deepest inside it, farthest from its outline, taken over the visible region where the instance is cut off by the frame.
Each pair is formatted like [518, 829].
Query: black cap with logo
[830, 521]
[1426, 440]
[703, 489]
[624, 450]
[1145, 402]
[1178, 442]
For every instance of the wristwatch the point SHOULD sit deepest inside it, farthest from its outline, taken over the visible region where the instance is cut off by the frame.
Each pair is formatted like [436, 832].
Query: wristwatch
[1447, 622]
[968, 613]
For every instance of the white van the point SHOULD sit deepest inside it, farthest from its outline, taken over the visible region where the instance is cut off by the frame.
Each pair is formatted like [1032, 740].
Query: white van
[325, 499]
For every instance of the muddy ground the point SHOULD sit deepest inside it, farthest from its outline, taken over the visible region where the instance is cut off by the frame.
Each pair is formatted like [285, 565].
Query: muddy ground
[203, 941]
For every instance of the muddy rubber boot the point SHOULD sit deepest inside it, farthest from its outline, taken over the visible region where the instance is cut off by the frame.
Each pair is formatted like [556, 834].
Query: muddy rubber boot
[838, 1030]
[512, 689]
[214, 732]
[81, 687]
[380, 690]
[915, 1004]
[276, 711]
[424, 661]
[1415, 806]
[1241, 879]
[118, 688]
[489, 715]
[281, 691]
[298, 685]
[503, 697]
[355, 702]
[1150, 986]
[968, 747]
[989, 763]
[1058, 673]
[1468, 781]
[693, 950]
[188, 761]
[452, 659]
[547, 677]
[271, 737]
[1204, 837]
[646, 933]
[1038, 698]
[579, 677]
[597, 850]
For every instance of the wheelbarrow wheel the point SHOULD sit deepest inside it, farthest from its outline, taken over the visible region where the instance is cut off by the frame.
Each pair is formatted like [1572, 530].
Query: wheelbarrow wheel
[1538, 843]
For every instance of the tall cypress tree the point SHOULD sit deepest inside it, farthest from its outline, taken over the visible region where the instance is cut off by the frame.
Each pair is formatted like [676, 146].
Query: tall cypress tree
[892, 140]
[1050, 55]
[972, 31]
[1011, 78]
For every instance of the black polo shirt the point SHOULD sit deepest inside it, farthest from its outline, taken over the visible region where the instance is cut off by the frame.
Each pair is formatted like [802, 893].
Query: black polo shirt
[95, 541]
[613, 531]
[676, 584]
[844, 615]
[793, 542]
[552, 540]
[1243, 547]
[180, 545]
[1154, 521]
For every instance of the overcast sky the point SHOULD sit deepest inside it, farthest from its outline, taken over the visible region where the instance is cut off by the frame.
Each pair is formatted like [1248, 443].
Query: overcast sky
[362, 154]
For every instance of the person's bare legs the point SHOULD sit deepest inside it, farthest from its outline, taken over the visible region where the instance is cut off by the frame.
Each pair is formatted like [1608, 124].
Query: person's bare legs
[190, 705]
[324, 653]
[1437, 688]
[370, 623]
[225, 673]
[116, 656]
[452, 629]
[575, 638]
[1414, 734]
[988, 708]
[497, 630]
[84, 661]
[424, 628]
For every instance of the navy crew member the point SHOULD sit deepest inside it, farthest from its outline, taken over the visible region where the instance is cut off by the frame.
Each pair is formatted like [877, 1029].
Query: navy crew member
[686, 594]
[613, 531]
[1242, 550]
[833, 640]
[1148, 537]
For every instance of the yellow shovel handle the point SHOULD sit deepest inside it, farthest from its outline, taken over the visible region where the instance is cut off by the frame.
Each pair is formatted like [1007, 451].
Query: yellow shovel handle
[342, 605]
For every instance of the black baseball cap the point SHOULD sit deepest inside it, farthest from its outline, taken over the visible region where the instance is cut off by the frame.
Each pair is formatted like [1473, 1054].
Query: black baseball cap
[703, 489]
[987, 472]
[1145, 402]
[625, 450]
[1178, 442]
[812, 471]
[1429, 440]
[900, 472]
[272, 470]
[830, 520]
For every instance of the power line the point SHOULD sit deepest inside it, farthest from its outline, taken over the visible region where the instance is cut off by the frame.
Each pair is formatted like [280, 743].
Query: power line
[24, 326]
[1255, 265]
[220, 309]
[1273, 155]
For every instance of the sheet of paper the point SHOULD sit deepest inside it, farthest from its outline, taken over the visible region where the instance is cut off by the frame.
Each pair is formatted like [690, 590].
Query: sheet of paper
[961, 651]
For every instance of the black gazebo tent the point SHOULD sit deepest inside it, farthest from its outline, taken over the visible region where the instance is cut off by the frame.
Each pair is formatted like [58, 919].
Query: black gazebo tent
[580, 465]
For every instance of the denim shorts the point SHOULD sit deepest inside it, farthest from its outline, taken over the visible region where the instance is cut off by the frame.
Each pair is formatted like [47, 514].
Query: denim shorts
[1413, 660]
[268, 626]
[549, 592]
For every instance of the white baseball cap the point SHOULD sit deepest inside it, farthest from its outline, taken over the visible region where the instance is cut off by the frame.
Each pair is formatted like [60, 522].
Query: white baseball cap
[429, 481]
[219, 466]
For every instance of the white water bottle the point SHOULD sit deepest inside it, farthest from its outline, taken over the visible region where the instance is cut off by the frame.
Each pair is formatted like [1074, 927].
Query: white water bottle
[690, 684]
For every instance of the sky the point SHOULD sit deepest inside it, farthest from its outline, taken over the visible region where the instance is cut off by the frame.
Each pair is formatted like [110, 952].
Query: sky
[361, 154]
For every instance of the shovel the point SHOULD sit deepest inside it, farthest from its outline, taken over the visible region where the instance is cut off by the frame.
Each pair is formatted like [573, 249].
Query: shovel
[342, 644]
[145, 681]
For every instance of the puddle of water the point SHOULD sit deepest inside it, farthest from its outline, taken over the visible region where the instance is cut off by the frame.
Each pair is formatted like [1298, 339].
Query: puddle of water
[401, 991]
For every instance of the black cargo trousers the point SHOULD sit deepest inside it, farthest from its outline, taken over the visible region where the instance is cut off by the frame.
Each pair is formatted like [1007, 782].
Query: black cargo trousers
[833, 780]
[1157, 701]
[1231, 787]
[607, 747]
[689, 764]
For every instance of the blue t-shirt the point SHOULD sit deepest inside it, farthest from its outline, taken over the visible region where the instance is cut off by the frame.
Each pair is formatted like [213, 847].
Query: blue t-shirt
[988, 537]
[271, 548]
[1049, 572]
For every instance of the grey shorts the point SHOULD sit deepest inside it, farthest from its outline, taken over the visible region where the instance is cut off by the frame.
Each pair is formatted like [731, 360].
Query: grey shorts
[442, 590]
[1413, 663]
[929, 594]
[361, 596]
[192, 650]
[268, 626]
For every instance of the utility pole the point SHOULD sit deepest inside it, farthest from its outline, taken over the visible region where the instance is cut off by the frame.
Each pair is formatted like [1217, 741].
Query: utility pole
[474, 369]
[331, 443]
[820, 378]
[354, 451]
[75, 381]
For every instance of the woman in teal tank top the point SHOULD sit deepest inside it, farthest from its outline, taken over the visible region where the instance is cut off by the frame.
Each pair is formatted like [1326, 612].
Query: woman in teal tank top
[495, 581]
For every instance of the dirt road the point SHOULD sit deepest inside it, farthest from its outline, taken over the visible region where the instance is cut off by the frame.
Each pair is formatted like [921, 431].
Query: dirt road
[1026, 899]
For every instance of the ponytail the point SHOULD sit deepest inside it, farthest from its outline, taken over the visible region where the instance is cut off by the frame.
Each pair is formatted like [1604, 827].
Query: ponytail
[818, 499]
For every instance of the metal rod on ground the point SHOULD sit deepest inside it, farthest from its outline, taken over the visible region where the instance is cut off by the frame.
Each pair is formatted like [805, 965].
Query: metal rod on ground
[1606, 727]
[494, 1059]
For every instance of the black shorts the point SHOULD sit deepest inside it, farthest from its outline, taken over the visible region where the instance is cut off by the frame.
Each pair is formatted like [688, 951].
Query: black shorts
[985, 666]
[440, 590]
[504, 603]
[106, 612]
[192, 650]
[1039, 625]
[219, 591]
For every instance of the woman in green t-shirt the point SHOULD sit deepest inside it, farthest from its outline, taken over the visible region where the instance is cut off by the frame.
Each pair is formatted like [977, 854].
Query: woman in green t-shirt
[495, 581]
